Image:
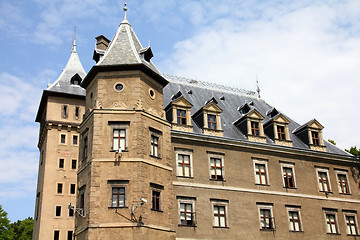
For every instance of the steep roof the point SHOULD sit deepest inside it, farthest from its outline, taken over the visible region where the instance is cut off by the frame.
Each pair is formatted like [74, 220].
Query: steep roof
[73, 67]
[229, 100]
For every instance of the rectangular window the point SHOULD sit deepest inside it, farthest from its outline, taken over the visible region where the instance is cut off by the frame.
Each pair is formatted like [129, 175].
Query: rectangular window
[294, 221]
[156, 200]
[58, 211]
[77, 112]
[288, 176]
[85, 149]
[71, 212]
[63, 138]
[82, 200]
[211, 121]
[56, 235]
[219, 216]
[315, 138]
[75, 140]
[61, 163]
[351, 226]
[70, 235]
[331, 225]
[281, 132]
[181, 116]
[323, 180]
[119, 139]
[343, 183]
[260, 174]
[184, 165]
[255, 128]
[73, 164]
[72, 188]
[216, 168]
[64, 111]
[266, 217]
[154, 146]
[187, 217]
[118, 197]
[59, 188]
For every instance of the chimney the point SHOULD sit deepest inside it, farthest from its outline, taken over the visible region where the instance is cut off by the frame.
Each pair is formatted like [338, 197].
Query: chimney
[102, 43]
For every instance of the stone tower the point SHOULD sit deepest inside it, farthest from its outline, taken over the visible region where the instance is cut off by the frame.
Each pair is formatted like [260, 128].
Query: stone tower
[60, 114]
[125, 172]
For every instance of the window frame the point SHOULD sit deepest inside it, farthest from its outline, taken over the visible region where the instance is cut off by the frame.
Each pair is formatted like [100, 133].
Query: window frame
[72, 234]
[255, 130]
[265, 163]
[72, 164]
[118, 184]
[65, 111]
[55, 213]
[85, 147]
[184, 152]
[119, 137]
[220, 157]
[70, 185]
[71, 210]
[292, 167]
[77, 140]
[326, 171]
[331, 212]
[281, 135]
[220, 203]
[345, 173]
[354, 215]
[155, 134]
[211, 124]
[58, 234]
[297, 210]
[187, 201]
[179, 118]
[77, 112]
[60, 138]
[63, 164]
[58, 184]
[268, 207]
[315, 137]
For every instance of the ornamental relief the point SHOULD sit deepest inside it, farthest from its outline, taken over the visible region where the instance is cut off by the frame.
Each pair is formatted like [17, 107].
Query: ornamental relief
[118, 105]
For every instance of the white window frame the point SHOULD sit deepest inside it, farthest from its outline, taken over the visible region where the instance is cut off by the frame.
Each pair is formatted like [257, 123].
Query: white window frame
[288, 165]
[66, 138]
[60, 211]
[332, 212]
[220, 156]
[118, 184]
[351, 214]
[266, 207]
[265, 162]
[119, 126]
[187, 201]
[58, 163]
[221, 203]
[295, 209]
[63, 187]
[326, 170]
[343, 172]
[72, 139]
[184, 152]
[72, 194]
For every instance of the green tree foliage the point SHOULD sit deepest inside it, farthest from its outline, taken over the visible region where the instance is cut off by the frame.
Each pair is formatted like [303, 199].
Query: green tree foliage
[20, 230]
[354, 151]
[331, 141]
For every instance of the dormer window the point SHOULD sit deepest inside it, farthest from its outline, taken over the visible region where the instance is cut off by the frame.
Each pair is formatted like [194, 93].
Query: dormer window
[208, 118]
[277, 128]
[250, 124]
[178, 112]
[75, 80]
[255, 128]
[310, 133]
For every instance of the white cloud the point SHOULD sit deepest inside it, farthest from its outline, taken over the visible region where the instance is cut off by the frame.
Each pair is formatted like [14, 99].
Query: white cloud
[307, 63]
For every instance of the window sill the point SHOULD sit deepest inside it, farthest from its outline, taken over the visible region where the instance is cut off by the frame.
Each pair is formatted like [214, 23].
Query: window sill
[290, 187]
[348, 194]
[111, 207]
[259, 184]
[184, 225]
[296, 231]
[267, 229]
[155, 157]
[156, 210]
[121, 150]
[353, 235]
[338, 234]
[327, 192]
[221, 227]
[184, 177]
[217, 180]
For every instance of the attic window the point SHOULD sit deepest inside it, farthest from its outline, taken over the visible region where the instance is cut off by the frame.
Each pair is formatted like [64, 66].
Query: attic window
[255, 128]
[75, 80]
[146, 53]
[315, 137]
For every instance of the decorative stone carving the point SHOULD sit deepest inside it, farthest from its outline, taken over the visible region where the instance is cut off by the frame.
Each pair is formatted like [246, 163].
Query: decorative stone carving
[118, 105]
[98, 104]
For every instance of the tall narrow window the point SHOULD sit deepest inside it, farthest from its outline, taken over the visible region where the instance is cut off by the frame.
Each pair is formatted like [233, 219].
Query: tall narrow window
[154, 149]
[216, 168]
[63, 138]
[181, 116]
[184, 165]
[266, 219]
[77, 112]
[331, 225]
[70, 235]
[119, 139]
[56, 235]
[73, 164]
[281, 132]
[294, 221]
[118, 197]
[323, 181]
[187, 214]
[156, 200]
[211, 121]
[255, 128]
[61, 163]
[288, 176]
[260, 174]
[343, 184]
[85, 153]
[59, 188]
[82, 200]
[219, 216]
[64, 111]
[58, 211]
[315, 138]
[75, 139]
[71, 212]
[351, 226]
[72, 188]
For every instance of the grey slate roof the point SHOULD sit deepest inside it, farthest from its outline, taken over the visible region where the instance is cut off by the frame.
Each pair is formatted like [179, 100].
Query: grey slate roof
[125, 49]
[73, 66]
[198, 93]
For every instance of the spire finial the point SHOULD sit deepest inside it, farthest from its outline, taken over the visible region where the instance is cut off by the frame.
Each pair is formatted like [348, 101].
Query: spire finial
[74, 41]
[257, 86]
[125, 9]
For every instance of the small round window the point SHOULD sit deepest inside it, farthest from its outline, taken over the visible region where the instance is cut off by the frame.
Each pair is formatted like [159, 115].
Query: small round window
[152, 93]
[118, 87]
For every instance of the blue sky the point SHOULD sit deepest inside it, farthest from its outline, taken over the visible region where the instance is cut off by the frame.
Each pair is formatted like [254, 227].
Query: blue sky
[306, 55]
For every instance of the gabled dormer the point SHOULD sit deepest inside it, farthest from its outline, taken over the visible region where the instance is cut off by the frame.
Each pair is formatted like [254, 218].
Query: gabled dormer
[178, 112]
[310, 133]
[250, 124]
[277, 128]
[208, 118]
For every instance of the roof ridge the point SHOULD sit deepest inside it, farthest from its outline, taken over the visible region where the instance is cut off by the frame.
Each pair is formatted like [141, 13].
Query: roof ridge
[214, 86]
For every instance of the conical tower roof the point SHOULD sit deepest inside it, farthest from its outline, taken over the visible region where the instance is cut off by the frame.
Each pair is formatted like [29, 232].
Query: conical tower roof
[73, 71]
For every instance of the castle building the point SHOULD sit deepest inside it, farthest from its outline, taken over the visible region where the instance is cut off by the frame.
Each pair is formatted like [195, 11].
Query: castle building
[165, 157]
